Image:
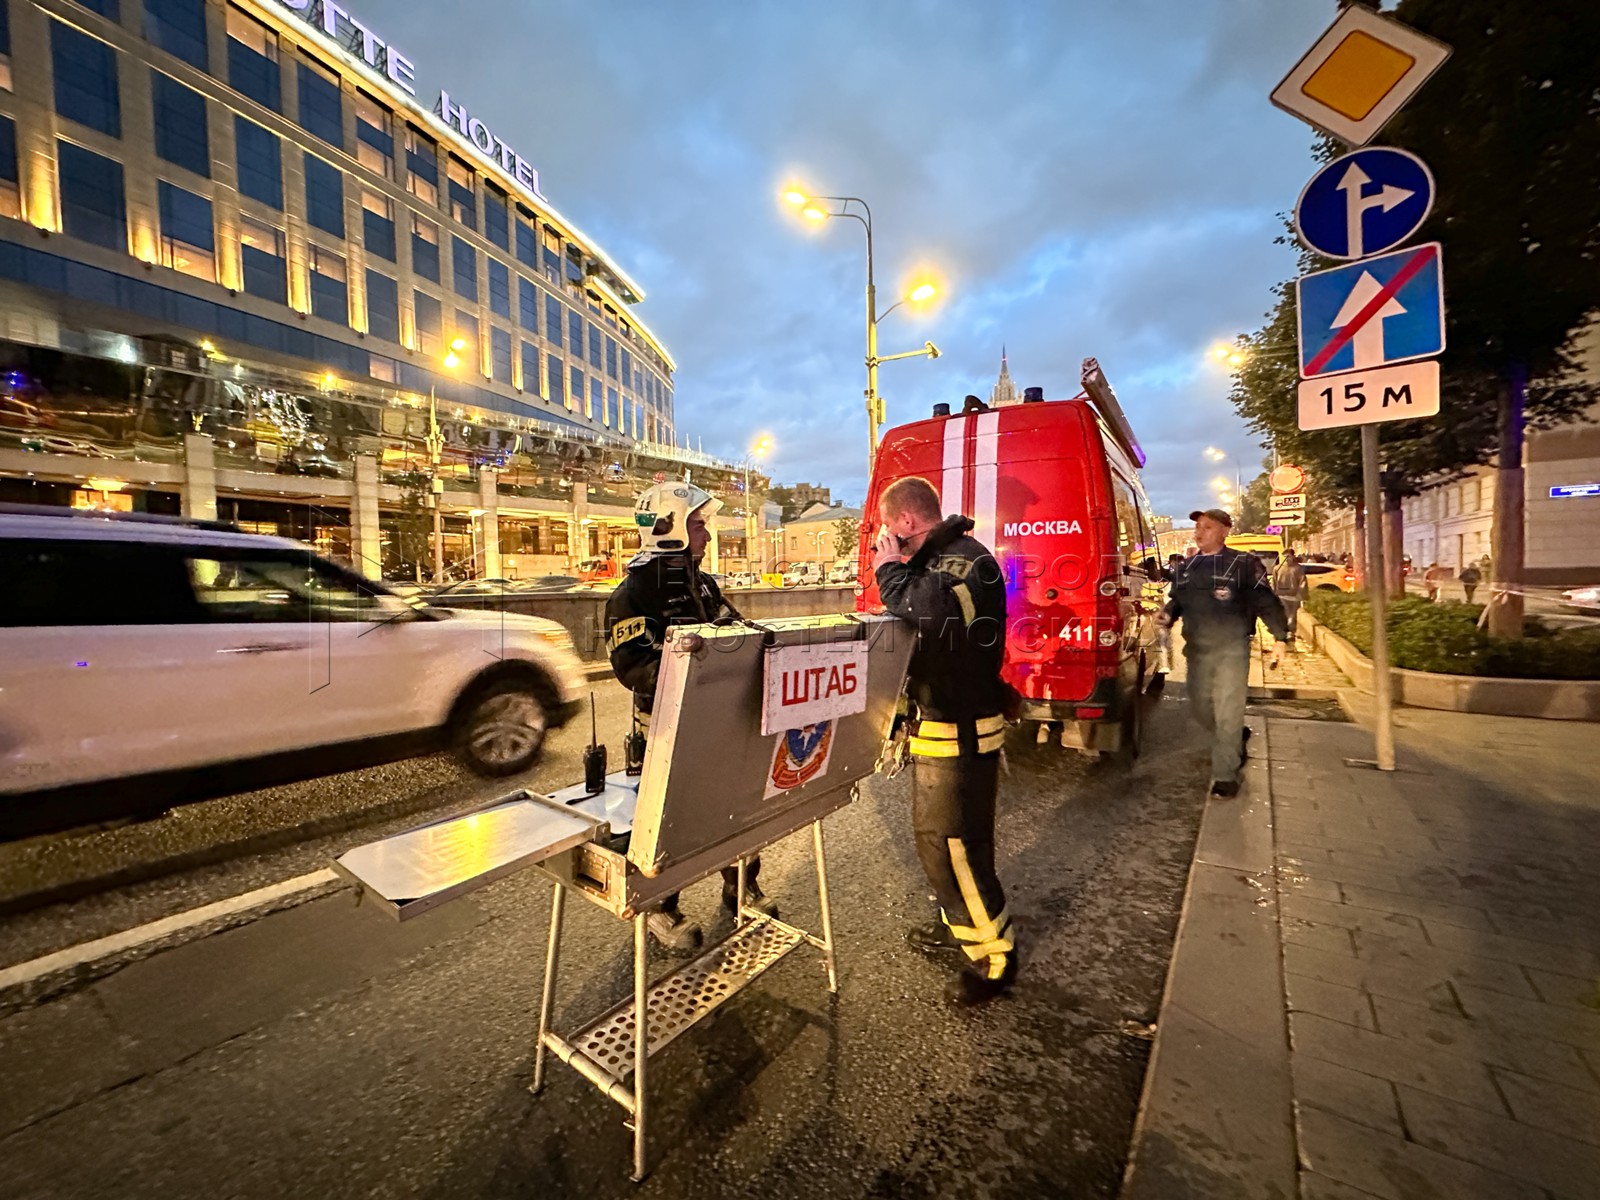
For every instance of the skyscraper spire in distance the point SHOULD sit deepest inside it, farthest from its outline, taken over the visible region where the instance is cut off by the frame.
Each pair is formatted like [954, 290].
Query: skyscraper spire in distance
[1005, 392]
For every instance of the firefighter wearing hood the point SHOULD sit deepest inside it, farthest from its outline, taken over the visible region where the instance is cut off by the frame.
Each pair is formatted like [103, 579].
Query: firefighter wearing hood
[663, 586]
[933, 573]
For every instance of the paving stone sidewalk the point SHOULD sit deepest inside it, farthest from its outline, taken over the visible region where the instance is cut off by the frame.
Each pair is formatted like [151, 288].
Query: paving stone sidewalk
[1432, 1028]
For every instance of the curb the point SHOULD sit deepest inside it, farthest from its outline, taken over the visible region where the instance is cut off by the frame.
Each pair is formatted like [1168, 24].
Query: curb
[1216, 1114]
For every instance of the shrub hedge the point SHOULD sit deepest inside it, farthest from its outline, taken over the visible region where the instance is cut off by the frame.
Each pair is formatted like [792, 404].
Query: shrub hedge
[1445, 638]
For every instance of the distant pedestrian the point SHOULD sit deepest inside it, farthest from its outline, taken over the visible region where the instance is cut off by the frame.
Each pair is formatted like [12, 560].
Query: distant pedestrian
[1431, 580]
[1470, 578]
[1219, 597]
[1289, 585]
[1486, 565]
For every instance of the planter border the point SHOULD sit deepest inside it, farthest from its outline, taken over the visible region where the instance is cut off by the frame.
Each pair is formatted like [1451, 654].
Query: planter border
[1551, 699]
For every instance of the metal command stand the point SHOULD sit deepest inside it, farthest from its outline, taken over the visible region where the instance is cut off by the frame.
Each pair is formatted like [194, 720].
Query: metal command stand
[758, 731]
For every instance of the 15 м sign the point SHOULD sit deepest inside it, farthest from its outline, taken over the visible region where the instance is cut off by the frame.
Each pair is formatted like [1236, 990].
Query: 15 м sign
[1368, 397]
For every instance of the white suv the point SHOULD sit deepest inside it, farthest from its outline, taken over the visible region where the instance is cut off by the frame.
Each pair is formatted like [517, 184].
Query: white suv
[167, 648]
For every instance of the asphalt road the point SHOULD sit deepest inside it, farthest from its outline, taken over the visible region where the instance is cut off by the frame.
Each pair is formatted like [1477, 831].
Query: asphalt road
[325, 1050]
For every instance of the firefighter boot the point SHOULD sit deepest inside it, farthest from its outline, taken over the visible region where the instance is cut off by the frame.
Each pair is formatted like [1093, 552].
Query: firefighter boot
[933, 939]
[754, 898]
[980, 982]
[676, 933]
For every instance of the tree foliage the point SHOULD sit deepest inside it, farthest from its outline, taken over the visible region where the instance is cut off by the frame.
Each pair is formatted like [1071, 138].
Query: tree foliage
[846, 536]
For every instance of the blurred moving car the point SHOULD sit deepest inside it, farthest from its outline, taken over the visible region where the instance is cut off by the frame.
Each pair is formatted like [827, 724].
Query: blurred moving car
[1582, 599]
[547, 583]
[223, 660]
[1328, 577]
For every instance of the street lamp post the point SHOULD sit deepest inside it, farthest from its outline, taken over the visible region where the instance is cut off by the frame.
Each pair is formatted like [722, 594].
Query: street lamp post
[435, 443]
[761, 446]
[814, 208]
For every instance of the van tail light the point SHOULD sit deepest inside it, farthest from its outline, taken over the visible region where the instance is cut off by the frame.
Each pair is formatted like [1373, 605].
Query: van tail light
[1090, 714]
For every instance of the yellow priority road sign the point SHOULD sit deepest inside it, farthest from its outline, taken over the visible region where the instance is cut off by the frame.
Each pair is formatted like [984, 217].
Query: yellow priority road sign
[1359, 74]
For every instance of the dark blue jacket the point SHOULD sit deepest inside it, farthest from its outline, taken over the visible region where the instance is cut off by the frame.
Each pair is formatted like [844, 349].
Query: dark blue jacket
[1219, 597]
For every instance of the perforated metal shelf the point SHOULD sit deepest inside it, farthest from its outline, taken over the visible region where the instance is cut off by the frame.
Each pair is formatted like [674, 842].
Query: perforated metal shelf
[676, 1001]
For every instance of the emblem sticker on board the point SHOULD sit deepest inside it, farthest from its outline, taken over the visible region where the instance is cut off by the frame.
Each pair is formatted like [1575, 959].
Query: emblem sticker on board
[799, 756]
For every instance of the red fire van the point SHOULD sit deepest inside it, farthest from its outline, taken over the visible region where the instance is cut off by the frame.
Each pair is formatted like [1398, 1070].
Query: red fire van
[1054, 489]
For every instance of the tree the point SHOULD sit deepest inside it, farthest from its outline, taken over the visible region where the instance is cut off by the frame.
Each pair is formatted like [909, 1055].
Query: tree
[846, 537]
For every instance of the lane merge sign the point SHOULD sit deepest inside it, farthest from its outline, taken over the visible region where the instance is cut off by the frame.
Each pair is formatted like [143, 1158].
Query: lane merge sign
[1359, 73]
[1369, 397]
[1364, 203]
[1372, 313]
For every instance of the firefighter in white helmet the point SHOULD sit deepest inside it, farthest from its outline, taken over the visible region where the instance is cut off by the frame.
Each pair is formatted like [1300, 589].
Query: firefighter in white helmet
[663, 586]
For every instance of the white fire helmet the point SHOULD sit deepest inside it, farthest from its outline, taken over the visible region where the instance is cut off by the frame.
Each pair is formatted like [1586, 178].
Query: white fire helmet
[662, 515]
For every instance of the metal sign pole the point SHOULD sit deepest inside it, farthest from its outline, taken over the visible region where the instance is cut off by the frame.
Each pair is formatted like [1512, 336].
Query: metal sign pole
[1376, 583]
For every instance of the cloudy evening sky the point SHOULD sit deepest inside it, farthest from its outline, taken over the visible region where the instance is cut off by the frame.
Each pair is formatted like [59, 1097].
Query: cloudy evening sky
[1083, 178]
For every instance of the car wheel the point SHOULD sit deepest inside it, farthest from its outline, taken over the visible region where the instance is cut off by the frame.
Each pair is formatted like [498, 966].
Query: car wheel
[501, 730]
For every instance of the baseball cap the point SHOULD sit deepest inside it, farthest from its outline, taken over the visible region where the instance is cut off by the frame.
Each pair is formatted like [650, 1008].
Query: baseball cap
[1216, 514]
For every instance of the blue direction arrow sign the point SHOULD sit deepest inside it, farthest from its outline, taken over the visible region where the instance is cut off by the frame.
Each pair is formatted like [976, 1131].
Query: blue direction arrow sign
[1371, 313]
[1364, 203]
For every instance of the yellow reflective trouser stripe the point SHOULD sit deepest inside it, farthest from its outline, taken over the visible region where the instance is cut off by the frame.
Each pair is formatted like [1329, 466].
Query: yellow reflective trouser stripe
[994, 930]
[969, 610]
[968, 934]
[939, 748]
[949, 729]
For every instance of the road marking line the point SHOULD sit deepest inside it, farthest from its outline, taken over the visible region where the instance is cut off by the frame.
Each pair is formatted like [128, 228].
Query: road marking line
[87, 952]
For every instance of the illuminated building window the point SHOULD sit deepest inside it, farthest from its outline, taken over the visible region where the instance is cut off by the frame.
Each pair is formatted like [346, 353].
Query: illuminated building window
[85, 79]
[425, 248]
[527, 239]
[377, 218]
[383, 307]
[556, 378]
[466, 329]
[499, 354]
[374, 142]
[463, 203]
[253, 60]
[385, 369]
[552, 320]
[496, 216]
[430, 324]
[92, 203]
[10, 192]
[464, 269]
[188, 238]
[324, 196]
[422, 167]
[5, 47]
[182, 136]
[262, 261]
[499, 288]
[260, 158]
[330, 293]
[528, 306]
[179, 28]
[321, 111]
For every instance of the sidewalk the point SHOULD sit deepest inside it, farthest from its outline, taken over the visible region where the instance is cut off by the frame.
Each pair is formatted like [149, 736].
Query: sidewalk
[1388, 985]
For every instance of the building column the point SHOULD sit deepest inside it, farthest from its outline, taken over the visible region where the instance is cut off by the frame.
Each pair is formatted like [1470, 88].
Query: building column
[489, 522]
[199, 495]
[578, 532]
[366, 538]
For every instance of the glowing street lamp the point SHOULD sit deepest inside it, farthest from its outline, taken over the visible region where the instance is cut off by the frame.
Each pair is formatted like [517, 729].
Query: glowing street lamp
[821, 208]
[762, 445]
[435, 444]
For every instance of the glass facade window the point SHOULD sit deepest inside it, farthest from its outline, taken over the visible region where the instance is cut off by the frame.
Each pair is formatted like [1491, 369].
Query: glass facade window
[552, 259]
[594, 347]
[180, 120]
[466, 328]
[499, 354]
[430, 324]
[529, 354]
[499, 288]
[324, 196]
[627, 370]
[527, 239]
[463, 203]
[464, 269]
[422, 167]
[92, 204]
[556, 378]
[552, 320]
[188, 237]
[5, 47]
[575, 333]
[253, 60]
[10, 192]
[611, 407]
[383, 307]
[596, 401]
[374, 141]
[527, 305]
[425, 248]
[261, 257]
[575, 387]
[611, 357]
[106, 8]
[330, 291]
[260, 163]
[377, 218]
[86, 79]
[496, 216]
[321, 111]
[386, 369]
[179, 28]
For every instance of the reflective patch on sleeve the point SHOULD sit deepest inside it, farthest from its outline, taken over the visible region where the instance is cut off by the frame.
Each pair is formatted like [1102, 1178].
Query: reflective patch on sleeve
[969, 610]
[954, 566]
[626, 631]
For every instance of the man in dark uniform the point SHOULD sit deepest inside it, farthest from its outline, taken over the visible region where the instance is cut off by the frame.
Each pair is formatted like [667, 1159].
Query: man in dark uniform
[1219, 595]
[930, 571]
[663, 586]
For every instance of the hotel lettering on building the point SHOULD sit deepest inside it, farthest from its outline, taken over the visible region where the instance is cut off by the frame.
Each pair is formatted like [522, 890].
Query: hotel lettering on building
[236, 248]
